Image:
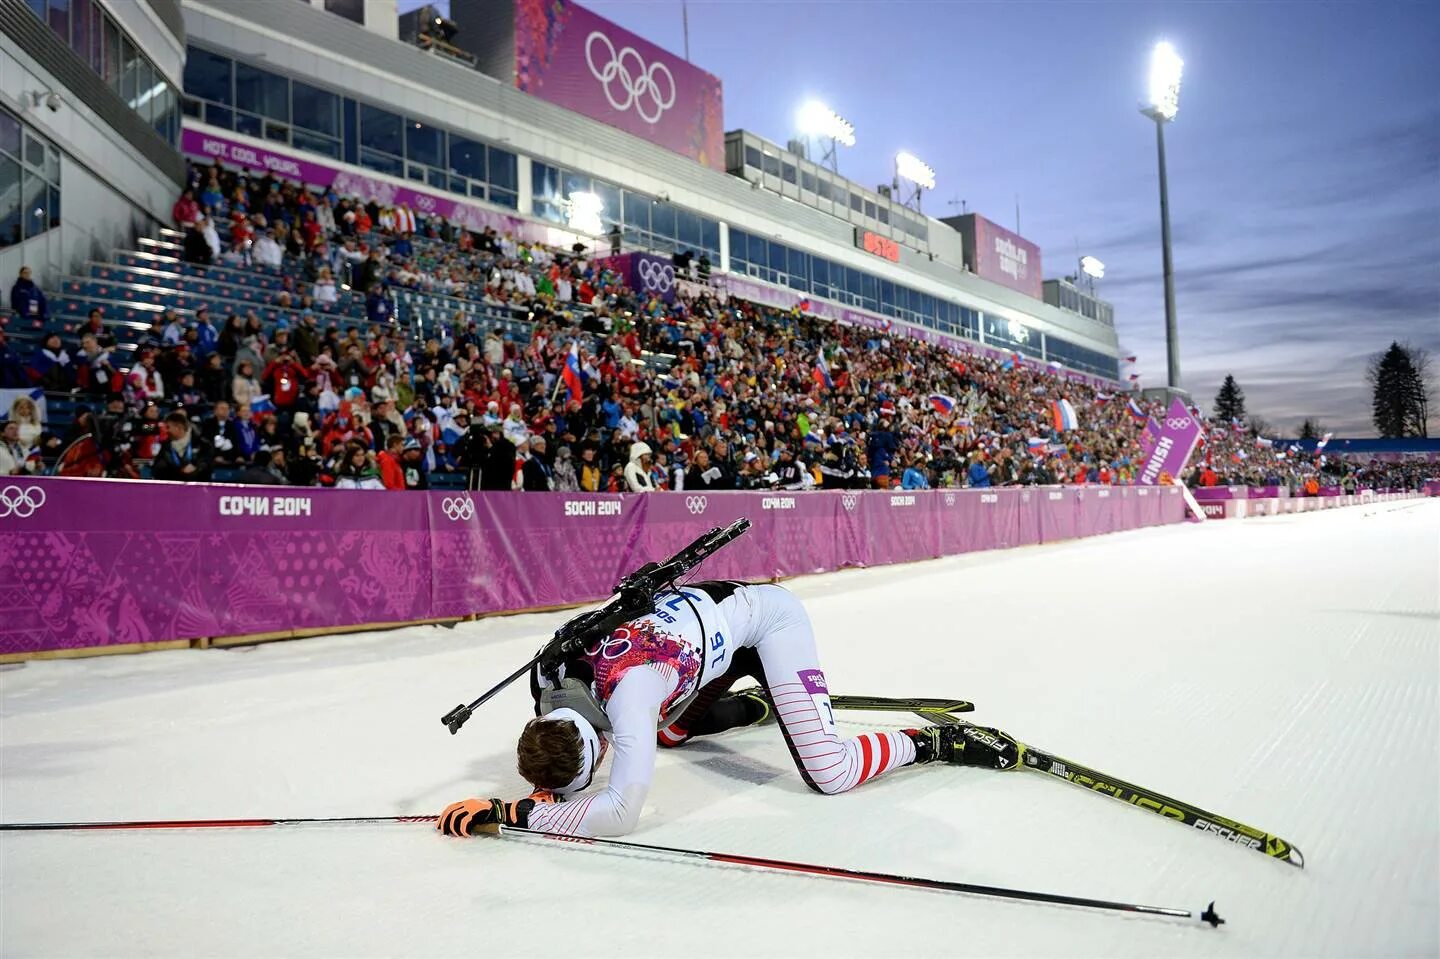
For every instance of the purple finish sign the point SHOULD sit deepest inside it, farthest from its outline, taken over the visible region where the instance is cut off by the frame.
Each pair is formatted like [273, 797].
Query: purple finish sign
[1178, 436]
[209, 146]
[103, 562]
[585, 63]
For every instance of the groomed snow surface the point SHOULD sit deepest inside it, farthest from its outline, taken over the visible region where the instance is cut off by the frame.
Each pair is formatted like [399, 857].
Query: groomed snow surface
[1279, 671]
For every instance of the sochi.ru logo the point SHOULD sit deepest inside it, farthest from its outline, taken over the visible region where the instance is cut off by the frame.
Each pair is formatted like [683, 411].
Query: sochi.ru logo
[627, 80]
[848, 500]
[458, 508]
[949, 499]
[21, 503]
[696, 504]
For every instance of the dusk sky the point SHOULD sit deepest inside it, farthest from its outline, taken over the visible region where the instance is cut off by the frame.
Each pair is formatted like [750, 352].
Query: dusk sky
[1304, 165]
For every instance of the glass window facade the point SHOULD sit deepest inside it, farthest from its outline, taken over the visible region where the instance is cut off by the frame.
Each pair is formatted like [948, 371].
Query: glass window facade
[646, 222]
[783, 265]
[29, 181]
[85, 27]
[260, 103]
[1078, 357]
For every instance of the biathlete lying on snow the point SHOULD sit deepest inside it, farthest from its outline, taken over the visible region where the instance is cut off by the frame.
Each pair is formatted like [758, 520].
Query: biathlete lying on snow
[663, 679]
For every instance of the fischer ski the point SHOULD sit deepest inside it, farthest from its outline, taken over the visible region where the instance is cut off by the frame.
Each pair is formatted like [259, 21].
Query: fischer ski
[1238, 833]
[888, 704]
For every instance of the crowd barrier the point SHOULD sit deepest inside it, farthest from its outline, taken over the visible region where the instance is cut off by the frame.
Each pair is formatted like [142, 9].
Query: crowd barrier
[1239, 502]
[104, 563]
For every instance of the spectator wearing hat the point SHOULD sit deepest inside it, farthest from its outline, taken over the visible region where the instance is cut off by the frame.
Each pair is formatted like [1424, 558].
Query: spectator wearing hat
[637, 471]
[497, 470]
[388, 460]
[244, 387]
[183, 455]
[412, 461]
[536, 474]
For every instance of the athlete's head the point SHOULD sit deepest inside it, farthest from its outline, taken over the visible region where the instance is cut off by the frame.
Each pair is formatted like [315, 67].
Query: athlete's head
[559, 752]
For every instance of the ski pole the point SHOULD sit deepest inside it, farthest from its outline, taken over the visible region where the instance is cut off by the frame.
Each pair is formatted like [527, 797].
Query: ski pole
[865, 875]
[203, 823]
[737, 859]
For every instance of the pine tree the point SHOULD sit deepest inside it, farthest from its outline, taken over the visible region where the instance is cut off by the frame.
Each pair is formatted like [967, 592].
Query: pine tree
[1230, 401]
[1311, 429]
[1399, 394]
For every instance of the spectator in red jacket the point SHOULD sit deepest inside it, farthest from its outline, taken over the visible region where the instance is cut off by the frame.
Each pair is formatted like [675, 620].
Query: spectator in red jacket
[186, 211]
[392, 473]
[285, 380]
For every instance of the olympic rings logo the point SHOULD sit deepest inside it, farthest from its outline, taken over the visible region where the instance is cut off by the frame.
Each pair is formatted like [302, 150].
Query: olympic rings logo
[848, 500]
[1183, 423]
[613, 646]
[458, 508]
[656, 276]
[21, 503]
[696, 504]
[639, 86]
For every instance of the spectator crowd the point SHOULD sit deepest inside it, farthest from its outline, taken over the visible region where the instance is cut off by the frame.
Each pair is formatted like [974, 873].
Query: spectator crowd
[609, 391]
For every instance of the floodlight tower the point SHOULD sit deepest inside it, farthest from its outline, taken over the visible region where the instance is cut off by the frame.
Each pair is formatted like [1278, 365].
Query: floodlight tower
[1092, 269]
[819, 122]
[917, 173]
[1163, 104]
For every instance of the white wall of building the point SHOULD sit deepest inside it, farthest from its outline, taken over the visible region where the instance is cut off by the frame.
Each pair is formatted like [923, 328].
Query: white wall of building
[108, 196]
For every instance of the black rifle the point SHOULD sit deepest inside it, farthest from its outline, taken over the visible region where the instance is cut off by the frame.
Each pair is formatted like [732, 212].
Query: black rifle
[634, 597]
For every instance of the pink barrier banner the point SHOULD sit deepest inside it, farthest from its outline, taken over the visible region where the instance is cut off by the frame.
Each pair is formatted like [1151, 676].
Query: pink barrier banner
[88, 563]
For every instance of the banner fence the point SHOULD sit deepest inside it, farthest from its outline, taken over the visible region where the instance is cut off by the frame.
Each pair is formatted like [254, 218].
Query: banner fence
[89, 563]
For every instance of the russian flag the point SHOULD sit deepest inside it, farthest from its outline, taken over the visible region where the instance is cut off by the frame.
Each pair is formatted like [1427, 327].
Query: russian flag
[262, 404]
[821, 372]
[942, 403]
[1009, 363]
[1065, 418]
[573, 376]
[1323, 441]
[1129, 359]
[887, 324]
[1133, 377]
[1036, 444]
[1134, 410]
[1054, 365]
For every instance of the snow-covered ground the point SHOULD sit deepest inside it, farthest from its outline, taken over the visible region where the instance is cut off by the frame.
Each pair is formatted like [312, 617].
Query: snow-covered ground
[1280, 671]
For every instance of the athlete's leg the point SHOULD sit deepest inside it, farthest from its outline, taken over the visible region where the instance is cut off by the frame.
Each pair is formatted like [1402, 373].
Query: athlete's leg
[712, 711]
[791, 671]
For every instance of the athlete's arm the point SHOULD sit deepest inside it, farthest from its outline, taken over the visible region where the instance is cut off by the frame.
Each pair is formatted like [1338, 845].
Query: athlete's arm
[634, 710]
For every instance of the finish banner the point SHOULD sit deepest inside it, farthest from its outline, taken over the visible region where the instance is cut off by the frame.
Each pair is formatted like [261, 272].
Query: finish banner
[585, 63]
[1176, 442]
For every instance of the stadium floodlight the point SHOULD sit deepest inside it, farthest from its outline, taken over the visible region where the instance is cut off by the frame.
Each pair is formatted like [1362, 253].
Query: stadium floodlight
[910, 167]
[1165, 69]
[1092, 267]
[817, 120]
[582, 213]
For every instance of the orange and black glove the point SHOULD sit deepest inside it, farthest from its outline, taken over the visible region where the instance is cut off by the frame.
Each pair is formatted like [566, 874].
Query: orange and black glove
[472, 817]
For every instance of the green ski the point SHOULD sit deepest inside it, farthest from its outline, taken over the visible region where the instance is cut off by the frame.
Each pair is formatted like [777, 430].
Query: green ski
[1193, 816]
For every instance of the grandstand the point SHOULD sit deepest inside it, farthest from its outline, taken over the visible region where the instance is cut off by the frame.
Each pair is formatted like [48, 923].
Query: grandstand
[863, 329]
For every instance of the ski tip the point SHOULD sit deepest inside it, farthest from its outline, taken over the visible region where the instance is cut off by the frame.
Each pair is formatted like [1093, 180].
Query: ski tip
[1210, 916]
[1295, 858]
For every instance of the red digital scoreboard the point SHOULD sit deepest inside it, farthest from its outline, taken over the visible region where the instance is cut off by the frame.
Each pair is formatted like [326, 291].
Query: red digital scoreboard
[878, 245]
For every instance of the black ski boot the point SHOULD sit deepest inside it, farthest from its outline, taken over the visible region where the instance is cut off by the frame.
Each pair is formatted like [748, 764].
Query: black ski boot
[966, 746]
